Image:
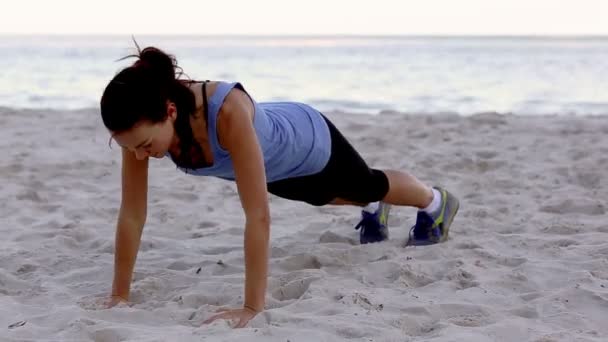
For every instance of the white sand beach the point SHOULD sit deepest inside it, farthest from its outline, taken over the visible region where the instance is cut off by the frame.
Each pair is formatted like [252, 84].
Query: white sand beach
[527, 259]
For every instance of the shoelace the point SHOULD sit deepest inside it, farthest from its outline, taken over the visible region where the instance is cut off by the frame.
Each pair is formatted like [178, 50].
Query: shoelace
[369, 222]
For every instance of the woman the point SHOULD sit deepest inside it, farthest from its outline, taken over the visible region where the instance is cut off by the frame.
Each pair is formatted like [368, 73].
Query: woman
[285, 148]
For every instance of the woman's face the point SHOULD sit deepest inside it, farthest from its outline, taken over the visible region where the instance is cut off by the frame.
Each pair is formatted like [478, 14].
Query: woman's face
[146, 139]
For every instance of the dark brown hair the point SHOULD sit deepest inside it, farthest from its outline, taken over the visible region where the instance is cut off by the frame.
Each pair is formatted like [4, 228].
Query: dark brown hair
[140, 93]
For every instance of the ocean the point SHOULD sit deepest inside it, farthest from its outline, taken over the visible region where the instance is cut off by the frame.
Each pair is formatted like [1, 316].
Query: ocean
[465, 75]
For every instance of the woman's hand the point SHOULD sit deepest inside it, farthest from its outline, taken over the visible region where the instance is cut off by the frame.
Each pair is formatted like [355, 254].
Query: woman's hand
[238, 317]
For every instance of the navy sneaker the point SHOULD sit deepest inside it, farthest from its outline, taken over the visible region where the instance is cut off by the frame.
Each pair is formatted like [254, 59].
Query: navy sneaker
[431, 229]
[374, 226]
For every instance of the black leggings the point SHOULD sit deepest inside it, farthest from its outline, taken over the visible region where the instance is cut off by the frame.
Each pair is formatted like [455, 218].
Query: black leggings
[346, 176]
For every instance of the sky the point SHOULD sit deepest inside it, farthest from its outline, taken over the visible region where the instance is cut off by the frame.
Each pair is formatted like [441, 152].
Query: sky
[307, 17]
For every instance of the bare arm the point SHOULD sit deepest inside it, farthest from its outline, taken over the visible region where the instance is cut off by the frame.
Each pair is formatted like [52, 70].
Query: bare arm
[131, 220]
[238, 136]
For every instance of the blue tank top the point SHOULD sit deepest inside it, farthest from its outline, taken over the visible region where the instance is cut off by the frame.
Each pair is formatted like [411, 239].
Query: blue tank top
[294, 138]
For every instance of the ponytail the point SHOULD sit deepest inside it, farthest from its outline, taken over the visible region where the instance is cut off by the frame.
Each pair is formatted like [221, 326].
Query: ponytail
[141, 91]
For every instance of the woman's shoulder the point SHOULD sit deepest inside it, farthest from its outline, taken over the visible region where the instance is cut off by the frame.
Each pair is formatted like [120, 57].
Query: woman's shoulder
[236, 107]
[221, 96]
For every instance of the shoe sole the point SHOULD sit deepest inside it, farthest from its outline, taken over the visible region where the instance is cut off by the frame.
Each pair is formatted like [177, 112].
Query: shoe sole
[386, 210]
[448, 223]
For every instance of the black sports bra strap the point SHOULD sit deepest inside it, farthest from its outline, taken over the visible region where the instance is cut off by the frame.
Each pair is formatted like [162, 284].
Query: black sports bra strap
[205, 106]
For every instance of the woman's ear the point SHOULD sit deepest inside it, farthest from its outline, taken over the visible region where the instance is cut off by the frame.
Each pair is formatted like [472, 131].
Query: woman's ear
[171, 111]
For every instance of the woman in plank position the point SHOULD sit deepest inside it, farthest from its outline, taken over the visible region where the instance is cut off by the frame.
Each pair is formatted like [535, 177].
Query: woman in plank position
[287, 149]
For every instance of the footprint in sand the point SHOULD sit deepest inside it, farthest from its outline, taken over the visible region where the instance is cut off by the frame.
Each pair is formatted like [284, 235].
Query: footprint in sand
[602, 275]
[107, 335]
[486, 154]
[30, 195]
[560, 243]
[511, 261]
[468, 321]
[580, 206]
[417, 326]
[489, 165]
[197, 300]
[589, 179]
[14, 169]
[331, 237]
[278, 252]
[234, 231]
[11, 285]
[499, 259]
[207, 224]
[530, 296]
[525, 311]
[462, 279]
[293, 290]
[221, 250]
[467, 245]
[184, 196]
[181, 265]
[465, 315]
[26, 269]
[412, 279]
[300, 262]
[563, 229]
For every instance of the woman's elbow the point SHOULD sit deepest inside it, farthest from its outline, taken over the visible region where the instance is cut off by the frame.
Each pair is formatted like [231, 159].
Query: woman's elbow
[261, 220]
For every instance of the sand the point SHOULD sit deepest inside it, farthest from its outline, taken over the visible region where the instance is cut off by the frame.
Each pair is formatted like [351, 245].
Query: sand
[527, 259]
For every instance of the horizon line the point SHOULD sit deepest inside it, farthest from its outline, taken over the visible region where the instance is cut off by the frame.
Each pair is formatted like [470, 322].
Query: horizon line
[311, 35]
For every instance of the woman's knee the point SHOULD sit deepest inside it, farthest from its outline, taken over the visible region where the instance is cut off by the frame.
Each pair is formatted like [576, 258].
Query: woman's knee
[372, 188]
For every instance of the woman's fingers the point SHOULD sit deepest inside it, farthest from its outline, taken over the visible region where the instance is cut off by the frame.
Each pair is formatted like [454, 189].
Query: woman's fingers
[224, 315]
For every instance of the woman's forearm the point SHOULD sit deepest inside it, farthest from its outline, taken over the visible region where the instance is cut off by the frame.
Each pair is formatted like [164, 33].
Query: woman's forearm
[128, 237]
[257, 234]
